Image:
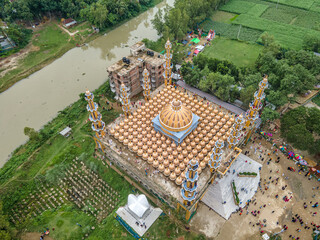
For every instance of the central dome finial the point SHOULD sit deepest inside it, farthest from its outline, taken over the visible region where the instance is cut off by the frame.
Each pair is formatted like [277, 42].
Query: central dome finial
[176, 105]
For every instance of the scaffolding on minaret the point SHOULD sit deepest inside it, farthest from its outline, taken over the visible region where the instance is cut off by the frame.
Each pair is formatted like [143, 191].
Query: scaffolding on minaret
[215, 157]
[167, 74]
[235, 133]
[146, 85]
[125, 101]
[98, 126]
[252, 114]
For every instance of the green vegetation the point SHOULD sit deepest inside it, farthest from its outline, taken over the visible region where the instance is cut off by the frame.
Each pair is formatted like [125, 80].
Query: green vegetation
[316, 100]
[268, 115]
[221, 16]
[99, 12]
[235, 193]
[290, 22]
[240, 53]
[301, 128]
[305, 4]
[231, 31]
[19, 36]
[49, 43]
[238, 6]
[290, 73]
[248, 173]
[5, 231]
[174, 22]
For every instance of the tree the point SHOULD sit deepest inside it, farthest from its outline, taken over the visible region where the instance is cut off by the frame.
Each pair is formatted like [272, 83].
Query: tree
[158, 22]
[4, 226]
[269, 115]
[277, 98]
[246, 94]
[311, 43]
[269, 44]
[31, 133]
[300, 127]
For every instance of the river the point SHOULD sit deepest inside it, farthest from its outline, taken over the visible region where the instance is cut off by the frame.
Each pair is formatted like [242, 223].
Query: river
[36, 99]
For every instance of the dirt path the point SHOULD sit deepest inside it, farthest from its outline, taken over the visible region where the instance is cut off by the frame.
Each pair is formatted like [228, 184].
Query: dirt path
[34, 236]
[67, 31]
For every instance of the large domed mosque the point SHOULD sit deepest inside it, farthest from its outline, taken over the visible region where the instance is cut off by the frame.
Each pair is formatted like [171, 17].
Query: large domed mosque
[181, 138]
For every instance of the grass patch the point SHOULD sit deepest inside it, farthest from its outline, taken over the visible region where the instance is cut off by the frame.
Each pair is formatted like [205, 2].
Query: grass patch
[235, 6]
[225, 17]
[304, 4]
[257, 10]
[231, 31]
[240, 53]
[289, 21]
[278, 29]
[278, 15]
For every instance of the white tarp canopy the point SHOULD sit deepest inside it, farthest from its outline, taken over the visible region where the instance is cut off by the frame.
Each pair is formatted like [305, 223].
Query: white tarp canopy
[65, 132]
[138, 205]
[265, 237]
[200, 47]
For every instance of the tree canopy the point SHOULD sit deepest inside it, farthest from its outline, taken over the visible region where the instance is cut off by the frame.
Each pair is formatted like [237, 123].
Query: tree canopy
[301, 127]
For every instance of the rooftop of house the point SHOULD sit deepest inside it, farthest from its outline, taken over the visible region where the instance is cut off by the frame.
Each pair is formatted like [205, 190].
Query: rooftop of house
[69, 20]
[122, 68]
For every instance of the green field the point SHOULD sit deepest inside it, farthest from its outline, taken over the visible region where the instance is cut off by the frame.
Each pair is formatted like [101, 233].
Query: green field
[240, 53]
[289, 21]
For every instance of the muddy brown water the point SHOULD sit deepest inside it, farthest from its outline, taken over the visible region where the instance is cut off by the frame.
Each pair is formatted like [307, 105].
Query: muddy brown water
[36, 99]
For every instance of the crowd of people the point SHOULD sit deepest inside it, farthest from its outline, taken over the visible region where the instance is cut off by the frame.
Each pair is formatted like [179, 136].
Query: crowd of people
[281, 192]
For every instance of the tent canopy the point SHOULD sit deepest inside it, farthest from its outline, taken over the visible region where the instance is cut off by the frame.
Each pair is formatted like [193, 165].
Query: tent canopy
[196, 51]
[138, 205]
[195, 40]
[66, 132]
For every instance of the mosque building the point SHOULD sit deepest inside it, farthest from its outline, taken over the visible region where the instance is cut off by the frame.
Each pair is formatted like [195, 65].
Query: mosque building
[185, 140]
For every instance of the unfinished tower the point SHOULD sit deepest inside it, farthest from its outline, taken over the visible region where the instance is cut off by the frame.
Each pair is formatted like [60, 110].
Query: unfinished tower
[126, 106]
[167, 66]
[253, 113]
[235, 133]
[146, 85]
[215, 157]
[189, 185]
[95, 117]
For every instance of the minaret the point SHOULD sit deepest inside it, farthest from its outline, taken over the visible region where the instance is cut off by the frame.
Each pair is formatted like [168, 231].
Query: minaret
[146, 85]
[167, 65]
[189, 186]
[125, 101]
[253, 113]
[95, 117]
[215, 158]
[235, 133]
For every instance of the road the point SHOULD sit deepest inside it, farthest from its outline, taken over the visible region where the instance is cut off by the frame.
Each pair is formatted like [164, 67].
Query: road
[211, 98]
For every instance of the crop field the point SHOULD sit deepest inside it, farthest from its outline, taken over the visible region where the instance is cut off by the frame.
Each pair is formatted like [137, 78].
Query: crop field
[231, 31]
[289, 21]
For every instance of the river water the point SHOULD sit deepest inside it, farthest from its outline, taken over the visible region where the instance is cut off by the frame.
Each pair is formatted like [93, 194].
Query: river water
[36, 100]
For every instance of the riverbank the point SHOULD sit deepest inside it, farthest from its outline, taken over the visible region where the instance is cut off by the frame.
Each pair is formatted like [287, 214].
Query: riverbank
[49, 42]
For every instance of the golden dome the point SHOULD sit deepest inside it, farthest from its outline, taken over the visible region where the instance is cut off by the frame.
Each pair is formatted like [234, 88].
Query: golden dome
[175, 117]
